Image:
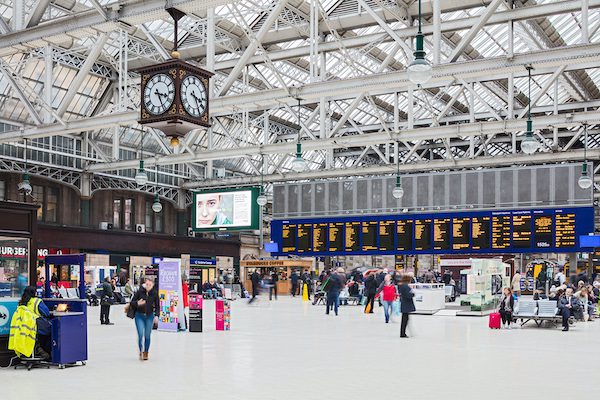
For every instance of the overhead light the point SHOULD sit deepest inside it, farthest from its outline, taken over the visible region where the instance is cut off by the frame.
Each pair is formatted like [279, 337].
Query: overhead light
[24, 186]
[156, 206]
[174, 141]
[299, 163]
[585, 180]
[261, 200]
[398, 191]
[419, 70]
[141, 178]
[529, 145]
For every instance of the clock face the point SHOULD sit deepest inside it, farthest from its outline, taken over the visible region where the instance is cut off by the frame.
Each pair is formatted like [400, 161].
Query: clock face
[193, 96]
[159, 94]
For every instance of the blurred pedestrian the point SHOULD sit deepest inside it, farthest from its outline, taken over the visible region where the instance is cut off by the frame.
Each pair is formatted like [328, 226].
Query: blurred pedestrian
[407, 304]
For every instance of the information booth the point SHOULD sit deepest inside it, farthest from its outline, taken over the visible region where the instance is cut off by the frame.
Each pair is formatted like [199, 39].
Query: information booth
[68, 315]
[283, 268]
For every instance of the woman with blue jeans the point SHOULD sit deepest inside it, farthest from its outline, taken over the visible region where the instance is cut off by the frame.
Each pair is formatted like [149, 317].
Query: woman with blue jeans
[388, 289]
[146, 306]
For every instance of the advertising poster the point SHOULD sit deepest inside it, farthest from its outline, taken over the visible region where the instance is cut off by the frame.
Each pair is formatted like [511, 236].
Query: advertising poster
[169, 289]
[224, 210]
[223, 315]
[195, 312]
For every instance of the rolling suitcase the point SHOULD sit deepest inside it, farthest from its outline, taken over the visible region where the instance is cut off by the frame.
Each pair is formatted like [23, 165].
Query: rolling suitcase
[495, 321]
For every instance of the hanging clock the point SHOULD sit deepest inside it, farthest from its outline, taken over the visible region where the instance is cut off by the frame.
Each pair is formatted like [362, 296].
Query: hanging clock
[175, 97]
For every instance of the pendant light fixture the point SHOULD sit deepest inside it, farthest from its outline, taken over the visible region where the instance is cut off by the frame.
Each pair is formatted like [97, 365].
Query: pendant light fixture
[585, 180]
[141, 178]
[419, 70]
[25, 186]
[261, 200]
[299, 163]
[398, 191]
[156, 206]
[529, 145]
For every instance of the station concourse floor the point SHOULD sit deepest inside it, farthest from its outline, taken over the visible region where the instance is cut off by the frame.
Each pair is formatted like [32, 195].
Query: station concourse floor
[289, 350]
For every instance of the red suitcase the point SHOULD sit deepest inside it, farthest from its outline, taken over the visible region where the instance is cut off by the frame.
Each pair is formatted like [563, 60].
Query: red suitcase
[495, 321]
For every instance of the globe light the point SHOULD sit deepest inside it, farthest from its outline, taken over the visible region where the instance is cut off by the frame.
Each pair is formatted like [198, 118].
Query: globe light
[261, 200]
[24, 186]
[141, 178]
[398, 191]
[585, 181]
[529, 145]
[299, 163]
[156, 206]
[419, 71]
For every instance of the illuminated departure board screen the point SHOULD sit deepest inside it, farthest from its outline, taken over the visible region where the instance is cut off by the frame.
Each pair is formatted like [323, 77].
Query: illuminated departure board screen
[501, 232]
[404, 234]
[423, 234]
[441, 233]
[521, 231]
[319, 237]
[289, 238]
[352, 236]
[542, 231]
[480, 233]
[369, 235]
[336, 236]
[386, 235]
[304, 238]
[565, 230]
[461, 233]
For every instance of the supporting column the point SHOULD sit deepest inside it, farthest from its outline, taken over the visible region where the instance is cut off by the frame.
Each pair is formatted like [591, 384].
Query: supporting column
[182, 220]
[210, 65]
[510, 32]
[585, 26]
[572, 265]
[48, 78]
[411, 106]
[85, 201]
[437, 31]
[555, 128]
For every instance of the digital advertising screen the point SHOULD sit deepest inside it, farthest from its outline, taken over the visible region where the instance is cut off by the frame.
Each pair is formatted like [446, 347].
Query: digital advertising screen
[228, 209]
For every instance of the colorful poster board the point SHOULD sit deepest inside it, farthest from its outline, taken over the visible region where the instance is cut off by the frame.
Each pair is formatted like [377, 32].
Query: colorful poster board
[223, 315]
[169, 289]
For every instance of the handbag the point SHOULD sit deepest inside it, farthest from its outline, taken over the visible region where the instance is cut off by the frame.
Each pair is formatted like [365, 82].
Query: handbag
[130, 310]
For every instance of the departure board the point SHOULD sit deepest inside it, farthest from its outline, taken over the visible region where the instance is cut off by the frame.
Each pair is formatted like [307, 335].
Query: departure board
[386, 235]
[304, 238]
[521, 231]
[501, 232]
[480, 233]
[369, 235]
[404, 234]
[352, 236]
[319, 237]
[441, 233]
[550, 230]
[423, 234]
[565, 230]
[336, 236]
[461, 233]
[289, 238]
[542, 231]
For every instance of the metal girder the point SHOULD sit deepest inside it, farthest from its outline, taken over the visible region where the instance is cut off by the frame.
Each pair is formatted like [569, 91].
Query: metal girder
[37, 13]
[434, 165]
[81, 74]
[447, 131]
[18, 91]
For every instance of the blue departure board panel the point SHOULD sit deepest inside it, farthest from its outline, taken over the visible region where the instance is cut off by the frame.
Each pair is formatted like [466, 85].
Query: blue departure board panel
[466, 232]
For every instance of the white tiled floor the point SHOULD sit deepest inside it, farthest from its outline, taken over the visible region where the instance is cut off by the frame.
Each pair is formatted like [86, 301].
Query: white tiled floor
[290, 350]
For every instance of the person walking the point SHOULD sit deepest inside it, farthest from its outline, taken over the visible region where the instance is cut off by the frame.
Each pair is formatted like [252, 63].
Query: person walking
[407, 304]
[274, 280]
[388, 289]
[106, 301]
[255, 279]
[516, 284]
[145, 302]
[185, 293]
[294, 278]
[306, 280]
[507, 305]
[337, 281]
[370, 291]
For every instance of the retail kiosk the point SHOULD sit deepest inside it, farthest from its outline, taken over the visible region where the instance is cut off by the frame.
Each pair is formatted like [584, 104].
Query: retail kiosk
[283, 268]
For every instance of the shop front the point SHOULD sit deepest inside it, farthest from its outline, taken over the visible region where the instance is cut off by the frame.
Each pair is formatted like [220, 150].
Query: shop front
[283, 269]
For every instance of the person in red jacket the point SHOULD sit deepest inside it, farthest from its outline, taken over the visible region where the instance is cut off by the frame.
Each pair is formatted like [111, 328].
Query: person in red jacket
[388, 289]
[185, 290]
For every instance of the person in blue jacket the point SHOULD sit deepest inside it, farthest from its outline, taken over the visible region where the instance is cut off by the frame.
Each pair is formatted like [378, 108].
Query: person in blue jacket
[407, 304]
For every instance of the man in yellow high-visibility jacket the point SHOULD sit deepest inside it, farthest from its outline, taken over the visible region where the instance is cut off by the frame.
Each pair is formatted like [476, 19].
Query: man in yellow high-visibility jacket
[28, 324]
